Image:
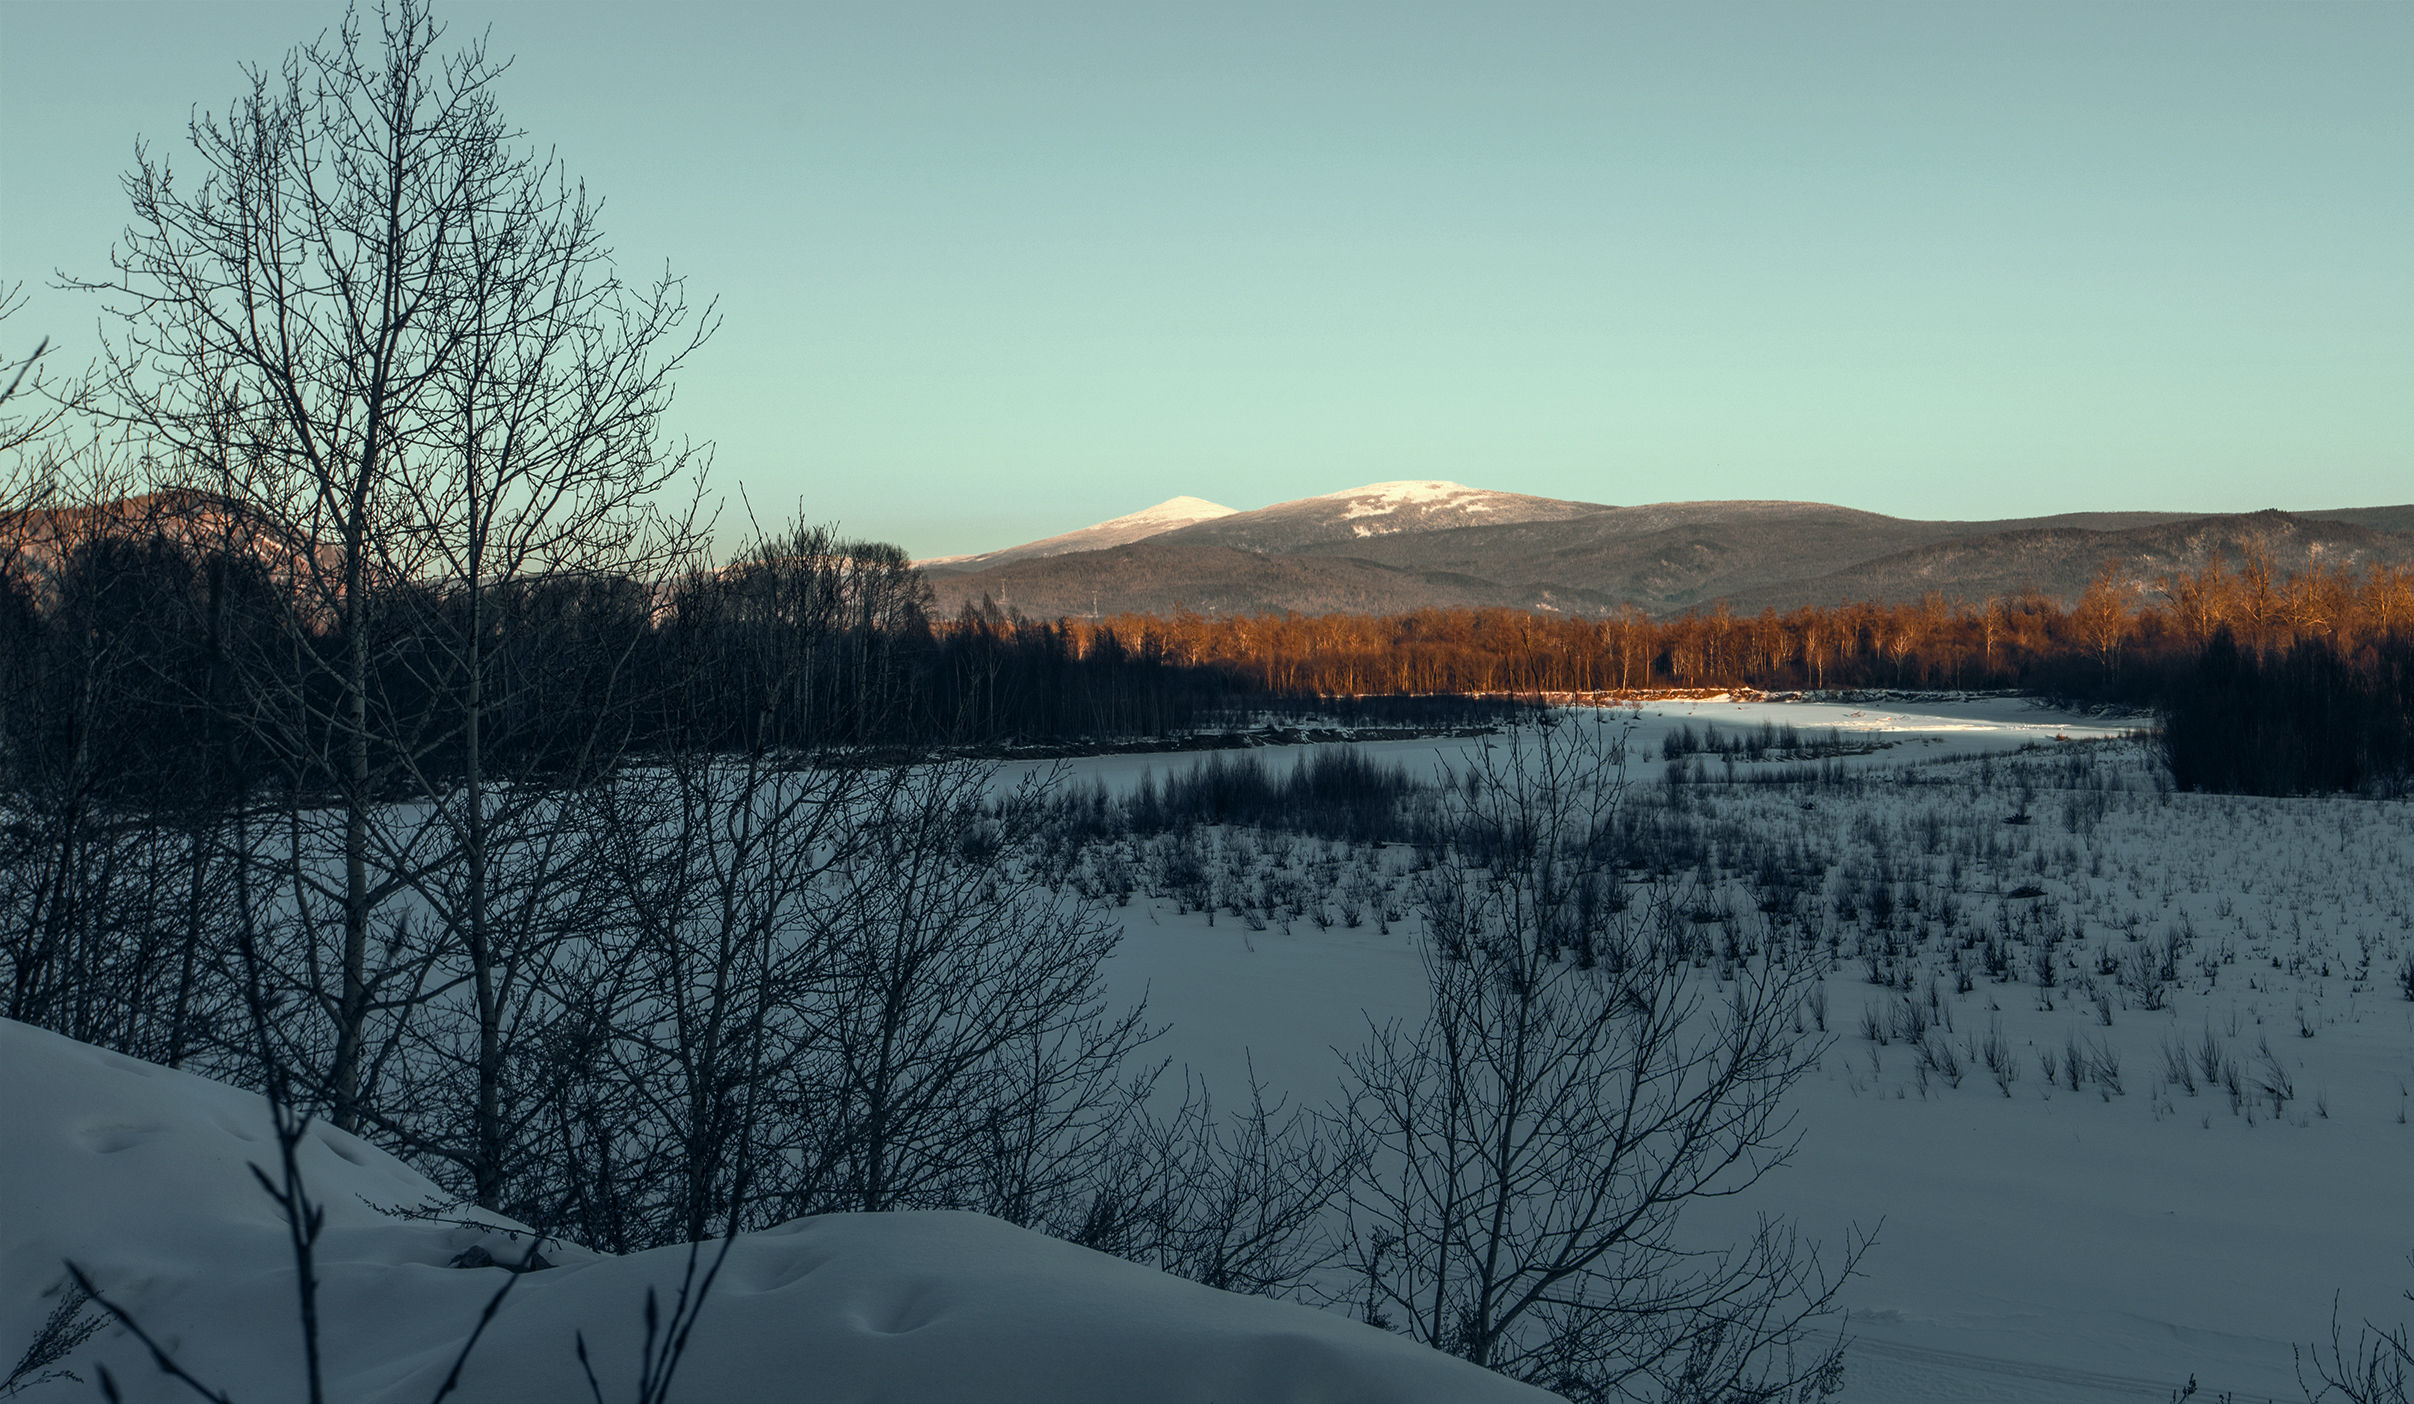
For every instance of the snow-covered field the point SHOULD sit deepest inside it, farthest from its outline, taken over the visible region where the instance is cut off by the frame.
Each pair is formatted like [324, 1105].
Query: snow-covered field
[2120, 1076]
[1894, 731]
[2035, 1241]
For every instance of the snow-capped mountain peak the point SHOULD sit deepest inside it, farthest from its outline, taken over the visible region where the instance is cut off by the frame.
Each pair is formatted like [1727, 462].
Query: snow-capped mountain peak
[1170, 515]
[1165, 516]
[1404, 491]
[1379, 509]
[1420, 495]
[1323, 521]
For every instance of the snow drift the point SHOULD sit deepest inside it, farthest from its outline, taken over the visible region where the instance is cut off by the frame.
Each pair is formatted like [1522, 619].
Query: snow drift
[140, 1174]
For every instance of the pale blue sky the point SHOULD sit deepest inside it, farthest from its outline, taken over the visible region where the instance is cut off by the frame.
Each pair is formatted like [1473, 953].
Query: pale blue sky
[993, 270]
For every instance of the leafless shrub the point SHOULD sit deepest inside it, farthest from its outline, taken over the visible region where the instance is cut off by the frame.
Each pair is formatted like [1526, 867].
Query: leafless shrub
[1533, 1143]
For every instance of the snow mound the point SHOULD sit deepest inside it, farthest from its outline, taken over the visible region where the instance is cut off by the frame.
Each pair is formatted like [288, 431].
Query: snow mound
[141, 1175]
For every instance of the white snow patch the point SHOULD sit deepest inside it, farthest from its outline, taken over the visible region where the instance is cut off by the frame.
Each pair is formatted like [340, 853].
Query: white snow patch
[1377, 499]
[1171, 513]
[141, 1175]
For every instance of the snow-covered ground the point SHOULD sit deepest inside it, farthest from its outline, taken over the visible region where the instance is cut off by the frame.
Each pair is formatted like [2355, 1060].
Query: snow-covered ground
[140, 1175]
[1896, 732]
[2035, 1242]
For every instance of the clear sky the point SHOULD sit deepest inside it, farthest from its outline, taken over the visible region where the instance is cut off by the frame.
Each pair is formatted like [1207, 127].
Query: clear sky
[993, 270]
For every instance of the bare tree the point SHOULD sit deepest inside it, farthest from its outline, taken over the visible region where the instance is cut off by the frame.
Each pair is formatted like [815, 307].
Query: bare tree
[1241, 1203]
[704, 942]
[532, 526]
[386, 338]
[110, 877]
[1583, 1078]
[28, 413]
[710, 972]
[2375, 1368]
[2102, 616]
[966, 1055]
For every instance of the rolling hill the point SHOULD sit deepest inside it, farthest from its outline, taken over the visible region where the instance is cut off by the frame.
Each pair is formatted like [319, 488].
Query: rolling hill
[1389, 547]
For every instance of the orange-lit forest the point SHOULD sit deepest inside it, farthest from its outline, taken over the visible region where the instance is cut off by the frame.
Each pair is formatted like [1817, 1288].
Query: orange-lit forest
[2029, 641]
[130, 637]
[2263, 682]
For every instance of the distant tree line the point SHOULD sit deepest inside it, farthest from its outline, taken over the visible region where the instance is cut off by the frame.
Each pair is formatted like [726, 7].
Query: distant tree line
[2271, 683]
[2300, 721]
[809, 639]
[2031, 641]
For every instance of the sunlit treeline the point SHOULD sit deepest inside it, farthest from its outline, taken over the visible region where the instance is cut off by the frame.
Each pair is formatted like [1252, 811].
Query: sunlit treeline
[136, 641]
[2026, 640]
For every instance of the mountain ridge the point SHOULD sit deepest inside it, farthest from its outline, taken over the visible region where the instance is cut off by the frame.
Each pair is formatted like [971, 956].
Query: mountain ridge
[1393, 547]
